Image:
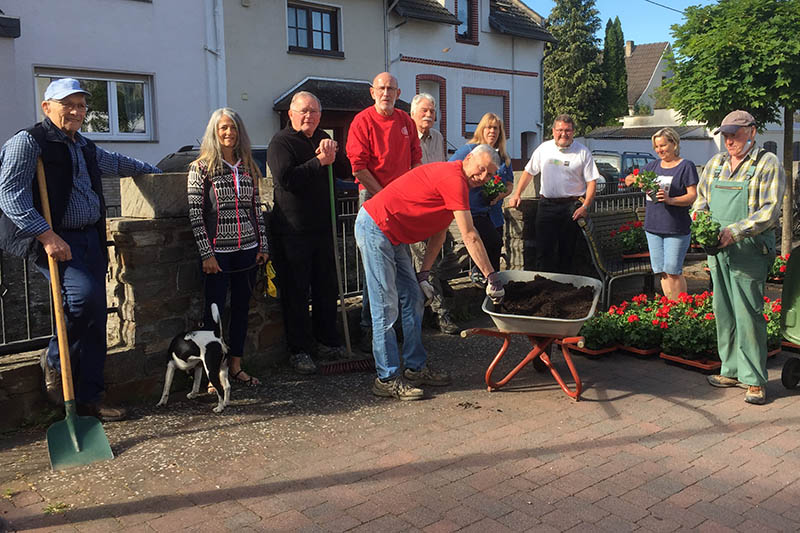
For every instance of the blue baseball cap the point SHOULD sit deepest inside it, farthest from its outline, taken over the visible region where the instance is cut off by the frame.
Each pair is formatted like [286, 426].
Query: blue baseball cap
[61, 88]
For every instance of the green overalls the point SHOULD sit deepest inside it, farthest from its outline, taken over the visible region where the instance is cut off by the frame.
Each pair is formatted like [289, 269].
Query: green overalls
[739, 273]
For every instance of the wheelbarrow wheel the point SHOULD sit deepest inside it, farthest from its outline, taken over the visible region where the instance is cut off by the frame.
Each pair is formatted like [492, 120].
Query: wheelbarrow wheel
[790, 376]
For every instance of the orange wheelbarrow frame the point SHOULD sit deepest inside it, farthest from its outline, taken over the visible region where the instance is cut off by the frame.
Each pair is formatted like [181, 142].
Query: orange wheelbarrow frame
[541, 345]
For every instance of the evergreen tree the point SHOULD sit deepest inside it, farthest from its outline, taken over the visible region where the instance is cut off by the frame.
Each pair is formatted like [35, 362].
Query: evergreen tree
[573, 81]
[614, 73]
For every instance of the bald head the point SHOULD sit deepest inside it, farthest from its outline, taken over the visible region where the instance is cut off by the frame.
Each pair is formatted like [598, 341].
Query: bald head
[384, 92]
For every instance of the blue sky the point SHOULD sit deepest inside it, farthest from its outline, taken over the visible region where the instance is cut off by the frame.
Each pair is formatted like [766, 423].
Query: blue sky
[642, 21]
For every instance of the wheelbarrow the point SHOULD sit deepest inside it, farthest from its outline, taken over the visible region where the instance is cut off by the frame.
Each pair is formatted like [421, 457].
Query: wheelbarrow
[790, 317]
[541, 332]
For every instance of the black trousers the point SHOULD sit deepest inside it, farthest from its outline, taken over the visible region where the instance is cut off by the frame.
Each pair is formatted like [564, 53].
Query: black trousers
[305, 263]
[556, 234]
[490, 237]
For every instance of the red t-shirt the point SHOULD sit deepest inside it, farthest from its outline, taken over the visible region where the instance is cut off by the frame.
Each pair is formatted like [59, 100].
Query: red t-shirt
[386, 146]
[420, 203]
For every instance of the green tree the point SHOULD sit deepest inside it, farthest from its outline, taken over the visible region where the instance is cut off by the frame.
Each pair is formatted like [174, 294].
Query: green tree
[741, 54]
[614, 73]
[573, 81]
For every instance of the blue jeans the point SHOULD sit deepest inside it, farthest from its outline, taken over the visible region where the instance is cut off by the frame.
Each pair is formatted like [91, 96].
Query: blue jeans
[83, 285]
[667, 252]
[366, 317]
[241, 283]
[394, 291]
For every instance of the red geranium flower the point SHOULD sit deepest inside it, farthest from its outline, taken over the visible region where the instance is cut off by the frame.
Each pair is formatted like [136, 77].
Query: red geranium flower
[709, 316]
[633, 318]
[635, 171]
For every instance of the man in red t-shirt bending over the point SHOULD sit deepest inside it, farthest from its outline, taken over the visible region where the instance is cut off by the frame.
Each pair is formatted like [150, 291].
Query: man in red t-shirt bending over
[417, 206]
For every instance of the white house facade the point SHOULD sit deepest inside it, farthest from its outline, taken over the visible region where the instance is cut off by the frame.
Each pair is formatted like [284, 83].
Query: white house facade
[144, 62]
[474, 56]
[274, 48]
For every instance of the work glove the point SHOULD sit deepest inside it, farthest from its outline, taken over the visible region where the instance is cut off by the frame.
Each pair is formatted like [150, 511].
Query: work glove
[425, 286]
[494, 288]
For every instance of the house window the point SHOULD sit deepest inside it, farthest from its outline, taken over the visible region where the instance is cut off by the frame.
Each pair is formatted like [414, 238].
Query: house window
[313, 29]
[467, 14]
[120, 106]
[477, 102]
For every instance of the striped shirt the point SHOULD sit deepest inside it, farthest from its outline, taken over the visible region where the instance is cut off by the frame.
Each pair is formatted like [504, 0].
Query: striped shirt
[764, 192]
[18, 168]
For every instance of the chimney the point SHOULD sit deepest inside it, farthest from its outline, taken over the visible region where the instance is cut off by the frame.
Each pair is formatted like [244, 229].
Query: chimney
[628, 48]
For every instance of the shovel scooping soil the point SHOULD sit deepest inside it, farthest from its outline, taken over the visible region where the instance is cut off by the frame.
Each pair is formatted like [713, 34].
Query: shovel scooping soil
[546, 298]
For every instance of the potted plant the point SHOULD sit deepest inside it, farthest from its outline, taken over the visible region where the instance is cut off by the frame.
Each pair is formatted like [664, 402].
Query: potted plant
[641, 328]
[600, 334]
[492, 188]
[631, 237]
[778, 269]
[772, 314]
[705, 231]
[647, 181]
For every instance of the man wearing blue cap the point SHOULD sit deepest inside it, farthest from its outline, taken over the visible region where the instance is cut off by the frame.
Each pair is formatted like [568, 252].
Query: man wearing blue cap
[73, 166]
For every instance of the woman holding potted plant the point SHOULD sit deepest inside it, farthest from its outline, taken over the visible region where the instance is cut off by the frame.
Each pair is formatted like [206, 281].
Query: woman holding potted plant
[671, 187]
[486, 203]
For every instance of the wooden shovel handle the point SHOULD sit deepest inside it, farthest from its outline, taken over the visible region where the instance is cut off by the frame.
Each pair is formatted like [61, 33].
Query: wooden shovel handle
[55, 288]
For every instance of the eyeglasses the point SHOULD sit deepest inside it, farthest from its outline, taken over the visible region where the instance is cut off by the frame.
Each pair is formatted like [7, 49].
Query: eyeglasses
[306, 111]
[82, 108]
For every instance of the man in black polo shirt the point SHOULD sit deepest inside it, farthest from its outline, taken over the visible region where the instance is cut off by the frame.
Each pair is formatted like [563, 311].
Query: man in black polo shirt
[302, 247]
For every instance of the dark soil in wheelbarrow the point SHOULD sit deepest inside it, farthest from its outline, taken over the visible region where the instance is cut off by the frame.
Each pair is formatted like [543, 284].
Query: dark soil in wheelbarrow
[546, 298]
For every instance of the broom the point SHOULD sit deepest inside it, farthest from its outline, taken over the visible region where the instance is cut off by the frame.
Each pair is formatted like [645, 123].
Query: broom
[348, 365]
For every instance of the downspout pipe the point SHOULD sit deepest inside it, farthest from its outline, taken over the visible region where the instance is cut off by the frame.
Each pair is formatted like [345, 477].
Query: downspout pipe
[388, 9]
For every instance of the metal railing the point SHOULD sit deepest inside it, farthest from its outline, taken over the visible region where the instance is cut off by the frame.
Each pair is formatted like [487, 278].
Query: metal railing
[26, 316]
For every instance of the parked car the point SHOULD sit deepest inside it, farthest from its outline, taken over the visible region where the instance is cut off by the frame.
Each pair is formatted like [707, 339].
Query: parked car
[614, 166]
[180, 160]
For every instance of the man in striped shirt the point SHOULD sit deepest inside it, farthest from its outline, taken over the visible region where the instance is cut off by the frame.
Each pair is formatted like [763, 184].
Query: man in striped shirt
[73, 166]
[742, 188]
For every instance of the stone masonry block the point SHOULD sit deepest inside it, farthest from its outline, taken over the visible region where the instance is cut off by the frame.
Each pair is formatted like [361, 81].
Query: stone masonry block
[154, 196]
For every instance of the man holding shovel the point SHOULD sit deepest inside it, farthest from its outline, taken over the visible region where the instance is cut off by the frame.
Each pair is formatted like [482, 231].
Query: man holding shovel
[302, 244]
[73, 166]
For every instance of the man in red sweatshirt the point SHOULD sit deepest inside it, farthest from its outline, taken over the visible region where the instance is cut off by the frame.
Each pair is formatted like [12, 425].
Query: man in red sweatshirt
[382, 145]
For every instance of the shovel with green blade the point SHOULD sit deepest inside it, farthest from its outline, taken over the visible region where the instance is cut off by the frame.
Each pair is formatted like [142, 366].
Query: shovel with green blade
[76, 440]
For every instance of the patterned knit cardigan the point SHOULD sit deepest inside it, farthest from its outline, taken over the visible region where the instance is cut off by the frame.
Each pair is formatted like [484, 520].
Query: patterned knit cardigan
[223, 221]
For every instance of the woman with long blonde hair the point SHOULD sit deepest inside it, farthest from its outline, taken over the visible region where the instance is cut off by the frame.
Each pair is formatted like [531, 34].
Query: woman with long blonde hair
[225, 213]
[487, 212]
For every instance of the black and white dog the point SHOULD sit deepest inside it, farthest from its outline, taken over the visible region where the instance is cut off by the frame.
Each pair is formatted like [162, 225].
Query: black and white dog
[188, 350]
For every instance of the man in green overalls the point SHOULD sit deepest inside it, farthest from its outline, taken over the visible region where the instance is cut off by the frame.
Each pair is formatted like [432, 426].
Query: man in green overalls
[743, 189]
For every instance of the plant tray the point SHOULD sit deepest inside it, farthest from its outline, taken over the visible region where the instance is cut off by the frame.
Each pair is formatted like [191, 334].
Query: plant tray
[702, 364]
[792, 347]
[587, 351]
[640, 351]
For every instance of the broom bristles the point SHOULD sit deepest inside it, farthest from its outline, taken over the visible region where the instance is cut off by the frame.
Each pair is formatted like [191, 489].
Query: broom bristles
[347, 366]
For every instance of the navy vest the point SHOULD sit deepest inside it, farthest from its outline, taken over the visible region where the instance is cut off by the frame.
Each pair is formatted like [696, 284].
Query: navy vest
[57, 163]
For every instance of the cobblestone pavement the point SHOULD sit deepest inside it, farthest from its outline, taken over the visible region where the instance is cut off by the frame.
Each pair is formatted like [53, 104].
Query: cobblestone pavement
[650, 447]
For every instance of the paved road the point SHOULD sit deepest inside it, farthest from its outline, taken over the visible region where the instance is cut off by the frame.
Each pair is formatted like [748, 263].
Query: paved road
[651, 447]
